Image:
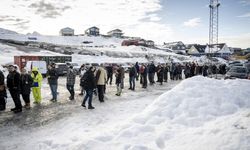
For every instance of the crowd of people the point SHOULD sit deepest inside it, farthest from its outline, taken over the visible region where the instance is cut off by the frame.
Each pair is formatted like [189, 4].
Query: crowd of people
[93, 80]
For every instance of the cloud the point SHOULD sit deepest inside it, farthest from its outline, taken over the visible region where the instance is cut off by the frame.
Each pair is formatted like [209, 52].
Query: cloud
[15, 21]
[245, 15]
[48, 9]
[192, 22]
[245, 2]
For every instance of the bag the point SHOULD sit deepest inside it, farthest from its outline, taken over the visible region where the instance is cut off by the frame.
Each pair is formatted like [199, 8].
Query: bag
[35, 84]
[2, 88]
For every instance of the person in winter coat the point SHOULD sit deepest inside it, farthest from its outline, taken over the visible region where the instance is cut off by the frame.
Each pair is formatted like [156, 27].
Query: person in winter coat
[26, 84]
[52, 76]
[89, 86]
[137, 70]
[165, 72]
[132, 77]
[187, 71]
[71, 78]
[144, 74]
[101, 78]
[13, 84]
[3, 93]
[109, 69]
[151, 73]
[118, 82]
[37, 83]
[82, 72]
[160, 73]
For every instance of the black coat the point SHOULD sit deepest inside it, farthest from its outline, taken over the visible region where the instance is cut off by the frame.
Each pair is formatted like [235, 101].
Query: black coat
[132, 72]
[3, 90]
[26, 83]
[118, 76]
[160, 73]
[89, 81]
[13, 81]
[52, 76]
[151, 68]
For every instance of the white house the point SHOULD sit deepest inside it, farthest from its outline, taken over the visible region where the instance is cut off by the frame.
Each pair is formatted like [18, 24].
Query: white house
[67, 32]
[218, 48]
[115, 33]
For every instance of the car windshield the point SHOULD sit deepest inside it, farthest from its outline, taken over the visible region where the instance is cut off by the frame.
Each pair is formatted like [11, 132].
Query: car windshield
[238, 70]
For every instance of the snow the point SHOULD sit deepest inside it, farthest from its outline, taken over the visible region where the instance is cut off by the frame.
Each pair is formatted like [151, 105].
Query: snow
[198, 113]
[188, 117]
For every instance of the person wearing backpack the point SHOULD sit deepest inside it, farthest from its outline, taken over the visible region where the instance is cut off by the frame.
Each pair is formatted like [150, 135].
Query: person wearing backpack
[89, 84]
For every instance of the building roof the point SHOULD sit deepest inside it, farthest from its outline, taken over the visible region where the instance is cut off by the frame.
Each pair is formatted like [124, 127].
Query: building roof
[173, 43]
[200, 48]
[67, 28]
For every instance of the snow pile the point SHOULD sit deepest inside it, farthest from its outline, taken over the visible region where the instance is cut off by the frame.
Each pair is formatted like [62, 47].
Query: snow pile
[199, 113]
[7, 54]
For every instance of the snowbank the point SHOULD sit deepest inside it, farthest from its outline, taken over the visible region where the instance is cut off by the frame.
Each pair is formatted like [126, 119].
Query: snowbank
[199, 113]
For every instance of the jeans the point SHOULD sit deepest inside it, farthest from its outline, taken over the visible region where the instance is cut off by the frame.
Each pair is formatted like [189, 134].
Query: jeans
[88, 96]
[151, 77]
[132, 83]
[26, 98]
[110, 77]
[119, 88]
[53, 88]
[71, 90]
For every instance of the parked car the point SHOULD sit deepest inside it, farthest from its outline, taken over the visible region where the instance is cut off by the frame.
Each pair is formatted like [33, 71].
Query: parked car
[61, 68]
[237, 72]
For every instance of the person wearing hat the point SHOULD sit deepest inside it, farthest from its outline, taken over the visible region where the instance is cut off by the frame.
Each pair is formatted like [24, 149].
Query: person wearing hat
[25, 84]
[13, 84]
[37, 82]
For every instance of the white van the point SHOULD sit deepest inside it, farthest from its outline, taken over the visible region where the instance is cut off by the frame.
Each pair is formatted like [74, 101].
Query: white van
[41, 65]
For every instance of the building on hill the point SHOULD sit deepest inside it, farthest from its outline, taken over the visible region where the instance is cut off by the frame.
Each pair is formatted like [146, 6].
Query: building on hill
[93, 31]
[67, 32]
[177, 47]
[196, 49]
[116, 33]
[218, 50]
[150, 43]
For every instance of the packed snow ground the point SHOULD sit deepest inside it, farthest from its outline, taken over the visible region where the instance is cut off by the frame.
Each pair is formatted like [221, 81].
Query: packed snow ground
[199, 113]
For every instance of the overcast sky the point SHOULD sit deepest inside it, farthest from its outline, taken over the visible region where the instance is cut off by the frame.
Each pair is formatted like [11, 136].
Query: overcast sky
[159, 20]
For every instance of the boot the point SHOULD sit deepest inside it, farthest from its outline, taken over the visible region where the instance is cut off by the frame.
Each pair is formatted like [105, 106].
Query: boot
[2, 107]
[27, 106]
[18, 110]
[13, 109]
[91, 107]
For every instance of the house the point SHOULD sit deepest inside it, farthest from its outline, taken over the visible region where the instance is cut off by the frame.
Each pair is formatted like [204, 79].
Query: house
[93, 31]
[150, 43]
[67, 32]
[177, 47]
[197, 50]
[218, 50]
[115, 33]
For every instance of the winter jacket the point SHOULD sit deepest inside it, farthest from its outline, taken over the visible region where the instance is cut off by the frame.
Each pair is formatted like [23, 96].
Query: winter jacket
[13, 81]
[132, 72]
[101, 76]
[160, 73]
[26, 83]
[151, 68]
[118, 76]
[37, 79]
[109, 70]
[52, 76]
[89, 80]
[71, 77]
[2, 88]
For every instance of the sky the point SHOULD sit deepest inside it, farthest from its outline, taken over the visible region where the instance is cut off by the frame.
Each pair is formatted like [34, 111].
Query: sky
[158, 20]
